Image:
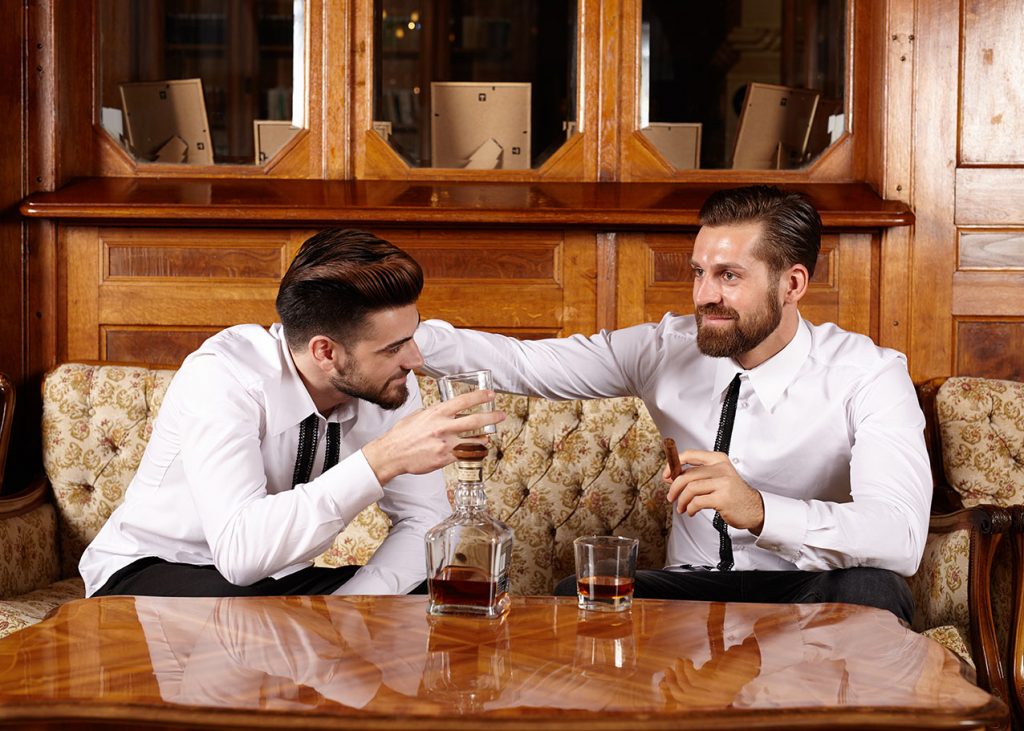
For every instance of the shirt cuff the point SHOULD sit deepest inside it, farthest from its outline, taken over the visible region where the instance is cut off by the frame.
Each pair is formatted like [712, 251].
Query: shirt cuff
[357, 489]
[785, 526]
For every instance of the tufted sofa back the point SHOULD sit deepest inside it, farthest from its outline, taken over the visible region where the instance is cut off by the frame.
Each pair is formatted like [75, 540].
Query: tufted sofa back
[981, 422]
[555, 470]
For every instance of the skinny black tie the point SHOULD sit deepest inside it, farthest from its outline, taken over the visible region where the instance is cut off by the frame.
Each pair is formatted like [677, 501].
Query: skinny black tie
[722, 445]
[307, 449]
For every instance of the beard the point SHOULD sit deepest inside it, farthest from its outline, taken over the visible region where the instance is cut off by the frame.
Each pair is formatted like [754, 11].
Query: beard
[389, 395]
[744, 334]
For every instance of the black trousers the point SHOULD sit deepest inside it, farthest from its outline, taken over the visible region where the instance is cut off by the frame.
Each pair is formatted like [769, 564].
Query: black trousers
[867, 586]
[156, 577]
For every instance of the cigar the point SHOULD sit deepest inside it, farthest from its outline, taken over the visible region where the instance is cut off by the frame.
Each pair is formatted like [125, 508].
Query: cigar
[672, 454]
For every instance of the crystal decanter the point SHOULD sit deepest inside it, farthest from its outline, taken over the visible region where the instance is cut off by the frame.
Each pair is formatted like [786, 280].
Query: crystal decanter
[468, 553]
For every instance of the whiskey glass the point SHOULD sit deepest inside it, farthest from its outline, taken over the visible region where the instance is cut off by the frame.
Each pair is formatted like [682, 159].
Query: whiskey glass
[605, 571]
[457, 384]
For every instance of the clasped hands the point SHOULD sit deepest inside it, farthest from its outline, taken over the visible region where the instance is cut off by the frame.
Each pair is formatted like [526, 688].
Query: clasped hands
[710, 481]
[423, 441]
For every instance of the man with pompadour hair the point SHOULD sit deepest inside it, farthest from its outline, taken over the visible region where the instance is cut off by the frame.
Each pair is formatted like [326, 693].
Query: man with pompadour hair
[805, 476]
[270, 441]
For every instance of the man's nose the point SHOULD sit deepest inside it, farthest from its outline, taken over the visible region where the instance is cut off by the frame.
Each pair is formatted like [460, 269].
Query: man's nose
[706, 292]
[413, 358]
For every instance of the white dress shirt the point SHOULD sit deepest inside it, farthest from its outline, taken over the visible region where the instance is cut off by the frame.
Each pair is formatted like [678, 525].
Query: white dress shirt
[828, 430]
[215, 483]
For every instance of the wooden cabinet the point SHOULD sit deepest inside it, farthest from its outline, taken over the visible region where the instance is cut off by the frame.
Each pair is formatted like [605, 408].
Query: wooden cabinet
[920, 199]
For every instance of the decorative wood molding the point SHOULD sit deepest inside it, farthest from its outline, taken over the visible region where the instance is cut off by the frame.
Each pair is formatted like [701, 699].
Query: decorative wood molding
[450, 204]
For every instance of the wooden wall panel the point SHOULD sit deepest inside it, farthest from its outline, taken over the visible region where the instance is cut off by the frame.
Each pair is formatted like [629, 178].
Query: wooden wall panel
[987, 303]
[992, 250]
[523, 283]
[13, 248]
[129, 290]
[153, 295]
[933, 120]
[992, 46]
[655, 278]
[151, 345]
[990, 348]
[989, 197]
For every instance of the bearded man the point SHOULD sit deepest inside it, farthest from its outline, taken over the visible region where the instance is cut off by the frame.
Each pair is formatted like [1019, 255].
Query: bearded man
[269, 442]
[805, 476]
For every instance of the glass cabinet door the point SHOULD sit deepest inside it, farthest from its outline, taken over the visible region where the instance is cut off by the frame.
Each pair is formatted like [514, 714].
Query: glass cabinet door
[746, 84]
[475, 84]
[201, 82]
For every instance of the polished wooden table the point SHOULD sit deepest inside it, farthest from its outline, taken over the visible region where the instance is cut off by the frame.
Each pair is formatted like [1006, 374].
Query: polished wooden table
[382, 663]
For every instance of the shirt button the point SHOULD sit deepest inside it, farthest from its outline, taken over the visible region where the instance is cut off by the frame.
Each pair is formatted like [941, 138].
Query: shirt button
[735, 460]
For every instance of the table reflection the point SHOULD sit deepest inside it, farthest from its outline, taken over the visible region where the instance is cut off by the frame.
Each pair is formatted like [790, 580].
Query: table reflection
[387, 655]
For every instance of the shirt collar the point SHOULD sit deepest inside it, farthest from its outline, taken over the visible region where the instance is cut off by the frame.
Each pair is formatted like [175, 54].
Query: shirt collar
[770, 379]
[292, 402]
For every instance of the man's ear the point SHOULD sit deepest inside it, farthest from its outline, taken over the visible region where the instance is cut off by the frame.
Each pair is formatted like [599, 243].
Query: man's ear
[794, 284]
[323, 351]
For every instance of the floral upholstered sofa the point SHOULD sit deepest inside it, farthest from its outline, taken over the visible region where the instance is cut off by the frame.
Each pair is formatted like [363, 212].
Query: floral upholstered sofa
[556, 470]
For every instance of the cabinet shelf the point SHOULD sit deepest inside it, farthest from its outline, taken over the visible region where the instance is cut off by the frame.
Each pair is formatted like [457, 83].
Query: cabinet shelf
[259, 203]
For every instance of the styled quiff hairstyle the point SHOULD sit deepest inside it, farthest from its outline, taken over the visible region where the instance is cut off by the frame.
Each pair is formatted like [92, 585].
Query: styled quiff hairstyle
[791, 225]
[340, 277]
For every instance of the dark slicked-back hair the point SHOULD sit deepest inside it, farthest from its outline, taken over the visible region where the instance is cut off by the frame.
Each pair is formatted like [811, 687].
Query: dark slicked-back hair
[340, 277]
[792, 226]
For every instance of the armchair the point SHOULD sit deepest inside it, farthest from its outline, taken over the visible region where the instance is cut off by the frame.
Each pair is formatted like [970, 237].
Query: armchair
[980, 425]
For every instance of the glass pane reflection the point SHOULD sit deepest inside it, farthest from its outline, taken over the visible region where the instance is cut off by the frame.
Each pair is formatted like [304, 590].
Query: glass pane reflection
[469, 83]
[705, 67]
[202, 81]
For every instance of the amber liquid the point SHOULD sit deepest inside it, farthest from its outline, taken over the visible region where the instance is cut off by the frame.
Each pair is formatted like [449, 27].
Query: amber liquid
[462, 586]
[611, 590]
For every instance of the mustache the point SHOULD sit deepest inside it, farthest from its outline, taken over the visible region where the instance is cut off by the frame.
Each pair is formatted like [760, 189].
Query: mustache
[717, 311]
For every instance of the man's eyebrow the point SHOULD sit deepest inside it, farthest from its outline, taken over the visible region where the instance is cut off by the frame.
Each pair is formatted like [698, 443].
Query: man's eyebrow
[719, 265]
[400, 341]
[394, 344]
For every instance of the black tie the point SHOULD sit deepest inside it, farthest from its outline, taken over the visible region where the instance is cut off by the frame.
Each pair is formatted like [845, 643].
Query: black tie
[307, 448]
[722, 445]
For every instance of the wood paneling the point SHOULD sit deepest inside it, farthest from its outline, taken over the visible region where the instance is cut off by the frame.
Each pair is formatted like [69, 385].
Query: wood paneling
[134, 261]
[933, 119]
[655, 278]
[990, 348]
[989, 197]
[988, 293]
[991, 250]
[146, 294]
[150, 345]
[992, 96]
[987, 304]
[14, 326]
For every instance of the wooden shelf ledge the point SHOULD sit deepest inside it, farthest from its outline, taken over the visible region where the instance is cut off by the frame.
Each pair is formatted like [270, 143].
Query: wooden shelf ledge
[263, 203]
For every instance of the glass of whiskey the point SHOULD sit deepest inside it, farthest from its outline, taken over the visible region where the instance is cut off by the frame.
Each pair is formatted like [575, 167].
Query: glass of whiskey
[468, 553]
[457, 384]
[605, 571]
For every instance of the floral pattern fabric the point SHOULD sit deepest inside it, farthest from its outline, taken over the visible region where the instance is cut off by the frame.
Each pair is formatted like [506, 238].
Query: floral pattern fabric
[28, 560]
[981, 422]
[33, 607]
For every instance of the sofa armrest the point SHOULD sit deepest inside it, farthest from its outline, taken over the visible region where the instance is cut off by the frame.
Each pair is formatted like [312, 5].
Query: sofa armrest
[29, 549]
[953, 585]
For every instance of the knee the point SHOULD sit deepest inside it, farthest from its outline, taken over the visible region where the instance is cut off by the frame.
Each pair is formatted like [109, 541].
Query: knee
[566, 587]
[871, 587]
